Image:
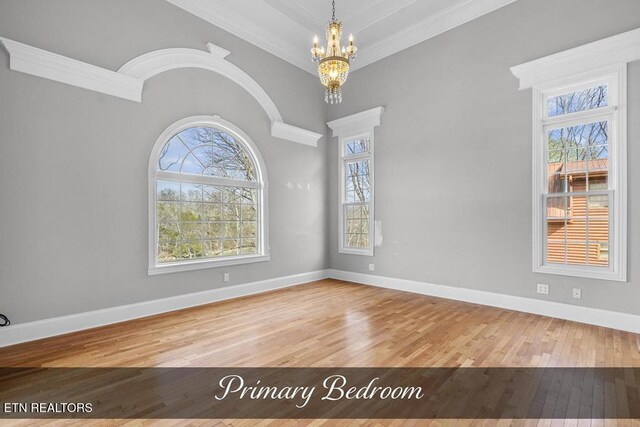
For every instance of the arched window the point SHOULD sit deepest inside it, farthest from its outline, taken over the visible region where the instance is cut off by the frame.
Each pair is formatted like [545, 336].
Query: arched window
[207, 197]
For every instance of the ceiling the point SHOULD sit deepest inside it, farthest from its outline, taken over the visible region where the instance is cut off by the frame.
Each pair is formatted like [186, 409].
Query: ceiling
[381, 27]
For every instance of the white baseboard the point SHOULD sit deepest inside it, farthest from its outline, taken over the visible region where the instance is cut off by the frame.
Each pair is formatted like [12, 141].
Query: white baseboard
[24, 332]
[591, 316]
[30, 331]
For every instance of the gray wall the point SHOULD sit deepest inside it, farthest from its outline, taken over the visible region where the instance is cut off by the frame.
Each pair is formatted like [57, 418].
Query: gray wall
[453, 154]
[73, 163]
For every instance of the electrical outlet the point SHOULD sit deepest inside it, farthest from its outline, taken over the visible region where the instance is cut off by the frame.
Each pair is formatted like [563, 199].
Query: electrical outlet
[577, 293]
[543, 289]
[225, 277]
[372, 267]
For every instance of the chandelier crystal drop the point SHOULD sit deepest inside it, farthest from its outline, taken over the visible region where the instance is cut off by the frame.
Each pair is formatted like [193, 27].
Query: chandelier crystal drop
[333, 64]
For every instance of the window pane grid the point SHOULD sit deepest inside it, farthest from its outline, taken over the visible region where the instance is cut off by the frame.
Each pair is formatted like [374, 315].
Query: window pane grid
[579, 127]
[576, 230]
[208, 152]
[356, 225]
[356, 158]
[579, 100]
[207, 199]
[357, 181]
[356, 147]
[577, 192]
[195, 222]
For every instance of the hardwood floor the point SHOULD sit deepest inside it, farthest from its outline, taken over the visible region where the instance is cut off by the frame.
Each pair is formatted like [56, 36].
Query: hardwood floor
[332, 323]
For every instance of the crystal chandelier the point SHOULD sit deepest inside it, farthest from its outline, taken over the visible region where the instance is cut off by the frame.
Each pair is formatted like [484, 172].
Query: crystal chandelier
[333, 65]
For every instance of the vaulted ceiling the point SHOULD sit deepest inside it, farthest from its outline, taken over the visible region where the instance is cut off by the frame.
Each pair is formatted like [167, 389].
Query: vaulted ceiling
[381, 27]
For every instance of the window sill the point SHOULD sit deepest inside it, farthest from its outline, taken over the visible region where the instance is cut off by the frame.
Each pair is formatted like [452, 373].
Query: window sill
[205, 263]
[585, 272]
[362, 252]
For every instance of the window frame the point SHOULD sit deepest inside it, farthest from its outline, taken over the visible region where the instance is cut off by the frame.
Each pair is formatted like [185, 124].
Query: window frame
[349, 128]
[616, 114]
[343, 203]
[261, 185]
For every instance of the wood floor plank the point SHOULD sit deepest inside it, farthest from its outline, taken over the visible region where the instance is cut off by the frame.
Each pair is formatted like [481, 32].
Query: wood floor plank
[333, 323]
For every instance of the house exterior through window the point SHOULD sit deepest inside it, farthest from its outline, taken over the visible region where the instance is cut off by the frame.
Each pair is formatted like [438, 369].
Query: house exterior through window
[580, 157]
[578, 177]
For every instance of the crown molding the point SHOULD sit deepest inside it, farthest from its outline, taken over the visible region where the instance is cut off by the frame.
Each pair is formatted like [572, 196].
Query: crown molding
[619, 49]
[297, 12]
[355, 123]
[304, 27]
[128, 81]
[236, 24]
[373, 12]
[380, 11]
[434, 25]
[41, 63]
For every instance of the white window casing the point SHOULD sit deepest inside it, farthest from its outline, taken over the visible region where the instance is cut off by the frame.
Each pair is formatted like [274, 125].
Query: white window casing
[615, 115]
[603, 62]
[354, 129]
[259, 185]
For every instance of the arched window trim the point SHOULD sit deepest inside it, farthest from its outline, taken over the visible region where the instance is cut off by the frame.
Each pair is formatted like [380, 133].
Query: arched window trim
[261, 184]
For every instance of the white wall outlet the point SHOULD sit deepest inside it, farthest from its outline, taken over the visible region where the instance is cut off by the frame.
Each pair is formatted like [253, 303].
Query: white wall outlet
[372, 267]
[225, 277]
[577, 293]
[543, 289]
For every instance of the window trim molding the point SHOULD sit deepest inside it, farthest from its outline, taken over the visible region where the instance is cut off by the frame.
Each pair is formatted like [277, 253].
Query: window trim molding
[263, 225]
[593, 60]
[356, 126]
[618, 49]
[362, 122]
[618, 172]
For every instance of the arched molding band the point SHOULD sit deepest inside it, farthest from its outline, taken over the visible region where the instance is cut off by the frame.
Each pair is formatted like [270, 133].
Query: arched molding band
[128, 81]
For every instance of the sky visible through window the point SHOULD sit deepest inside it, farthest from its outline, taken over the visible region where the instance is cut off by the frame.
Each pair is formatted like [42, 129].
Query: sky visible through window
[577, 174]
[197, 220]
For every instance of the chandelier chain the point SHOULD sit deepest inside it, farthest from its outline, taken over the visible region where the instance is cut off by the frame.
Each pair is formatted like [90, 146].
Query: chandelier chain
[333, 3]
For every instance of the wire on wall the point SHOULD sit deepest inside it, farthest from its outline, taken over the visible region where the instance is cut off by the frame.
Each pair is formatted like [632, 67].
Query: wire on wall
[4, 320]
